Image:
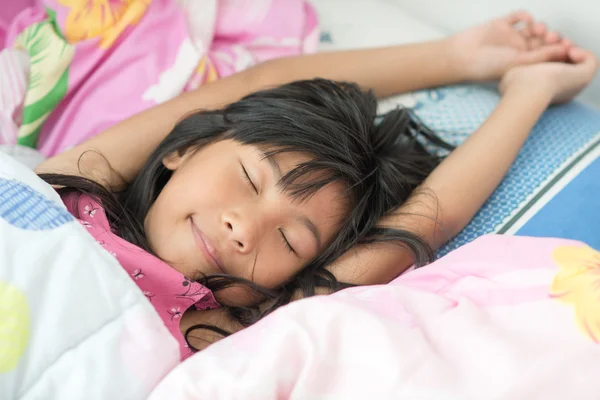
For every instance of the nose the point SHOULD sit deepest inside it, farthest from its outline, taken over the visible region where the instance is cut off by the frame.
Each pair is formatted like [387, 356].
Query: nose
[241, 233]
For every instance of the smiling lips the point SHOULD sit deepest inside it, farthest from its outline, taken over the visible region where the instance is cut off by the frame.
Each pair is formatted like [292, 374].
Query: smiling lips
[205, 246]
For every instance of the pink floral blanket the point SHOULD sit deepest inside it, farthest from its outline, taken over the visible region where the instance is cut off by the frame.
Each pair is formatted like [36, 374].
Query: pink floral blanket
[503, 317]
[71, 68]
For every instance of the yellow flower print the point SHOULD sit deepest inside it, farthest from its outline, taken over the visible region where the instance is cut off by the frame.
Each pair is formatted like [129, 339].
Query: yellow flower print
[578, 284]
[105, 18]
[206, 69]
[14, 326]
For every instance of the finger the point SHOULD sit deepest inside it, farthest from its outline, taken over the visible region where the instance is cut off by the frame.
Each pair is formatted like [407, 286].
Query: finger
[515, 40]
[518, 16]
[578, 55]
[525, 34]
[585, 64]
[525, 31]
[552, 37]
[567, 43]
[555, 52]
[538, 33]
[539, 29]
[534, 43]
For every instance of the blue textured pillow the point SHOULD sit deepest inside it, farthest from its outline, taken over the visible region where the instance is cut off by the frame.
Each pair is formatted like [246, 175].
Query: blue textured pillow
[564, 135]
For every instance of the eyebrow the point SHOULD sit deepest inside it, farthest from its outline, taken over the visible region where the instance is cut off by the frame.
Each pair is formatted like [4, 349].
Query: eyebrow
[303, 219]
[274, 167]
[312, 228]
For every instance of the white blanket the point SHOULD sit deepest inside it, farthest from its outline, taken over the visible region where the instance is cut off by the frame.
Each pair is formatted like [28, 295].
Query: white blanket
[73, 325]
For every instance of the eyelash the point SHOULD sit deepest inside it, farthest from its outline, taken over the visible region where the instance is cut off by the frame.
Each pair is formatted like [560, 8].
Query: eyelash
[247, 178]
[287, 244]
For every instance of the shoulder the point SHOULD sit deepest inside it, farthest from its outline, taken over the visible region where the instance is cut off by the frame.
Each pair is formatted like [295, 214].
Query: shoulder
[86, 209]
[90, 165]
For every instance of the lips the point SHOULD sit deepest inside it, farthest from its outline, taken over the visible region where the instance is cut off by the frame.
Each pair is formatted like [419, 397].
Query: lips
[206, 246]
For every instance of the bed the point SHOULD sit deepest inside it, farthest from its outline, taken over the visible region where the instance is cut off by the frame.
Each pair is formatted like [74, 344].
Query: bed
[480, 323]
[484, 321]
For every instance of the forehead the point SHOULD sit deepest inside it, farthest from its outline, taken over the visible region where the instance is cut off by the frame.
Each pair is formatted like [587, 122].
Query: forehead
[326, 206]
[284, 162]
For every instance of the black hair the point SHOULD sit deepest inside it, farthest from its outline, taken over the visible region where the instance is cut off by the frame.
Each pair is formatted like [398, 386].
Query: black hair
[381, 161]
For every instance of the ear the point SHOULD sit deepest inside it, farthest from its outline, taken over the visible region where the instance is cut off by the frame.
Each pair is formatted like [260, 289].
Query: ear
[172, 161]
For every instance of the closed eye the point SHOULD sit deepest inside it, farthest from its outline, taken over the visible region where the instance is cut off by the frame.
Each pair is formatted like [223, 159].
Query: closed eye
[247, 177]
[286, 243]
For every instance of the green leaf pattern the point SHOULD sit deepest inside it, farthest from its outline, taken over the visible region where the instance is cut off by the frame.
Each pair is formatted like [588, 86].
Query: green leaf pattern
[50, 56]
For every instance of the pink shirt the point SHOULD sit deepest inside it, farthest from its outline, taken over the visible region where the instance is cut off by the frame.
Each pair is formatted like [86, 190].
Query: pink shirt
[169, 291]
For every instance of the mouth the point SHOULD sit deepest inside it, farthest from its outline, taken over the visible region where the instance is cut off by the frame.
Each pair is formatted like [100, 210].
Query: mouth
[206, 247]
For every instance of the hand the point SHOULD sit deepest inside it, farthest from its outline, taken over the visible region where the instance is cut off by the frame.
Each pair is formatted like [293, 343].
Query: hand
[487, 51]
[560, 80]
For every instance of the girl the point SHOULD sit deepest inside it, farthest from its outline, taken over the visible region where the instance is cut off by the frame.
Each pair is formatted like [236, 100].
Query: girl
[296, 187]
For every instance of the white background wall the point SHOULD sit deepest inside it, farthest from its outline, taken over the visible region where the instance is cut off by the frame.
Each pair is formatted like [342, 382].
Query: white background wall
[578, 20]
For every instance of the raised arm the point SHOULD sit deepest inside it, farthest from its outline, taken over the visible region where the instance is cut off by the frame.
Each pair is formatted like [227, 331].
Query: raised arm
[127, 145]
[459, 186]
[115, 156]
[480, 53]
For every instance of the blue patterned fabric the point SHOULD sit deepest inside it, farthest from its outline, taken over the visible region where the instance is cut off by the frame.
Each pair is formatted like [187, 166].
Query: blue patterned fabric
[555, 218]
[455, 112]
[25, 208]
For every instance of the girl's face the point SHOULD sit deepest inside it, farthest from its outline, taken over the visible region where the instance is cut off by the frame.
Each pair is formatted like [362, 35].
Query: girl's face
[222, 212]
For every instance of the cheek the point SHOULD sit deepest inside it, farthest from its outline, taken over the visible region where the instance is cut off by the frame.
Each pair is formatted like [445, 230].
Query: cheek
[166, 222]
[195, 191]
[275, 266]
[206, 185]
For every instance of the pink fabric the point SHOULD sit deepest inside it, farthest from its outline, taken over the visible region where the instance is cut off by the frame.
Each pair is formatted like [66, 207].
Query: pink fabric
[171, 47]
[8, 10]
[500, 318]
[168, 290]
[13, 84]
[269, 29]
